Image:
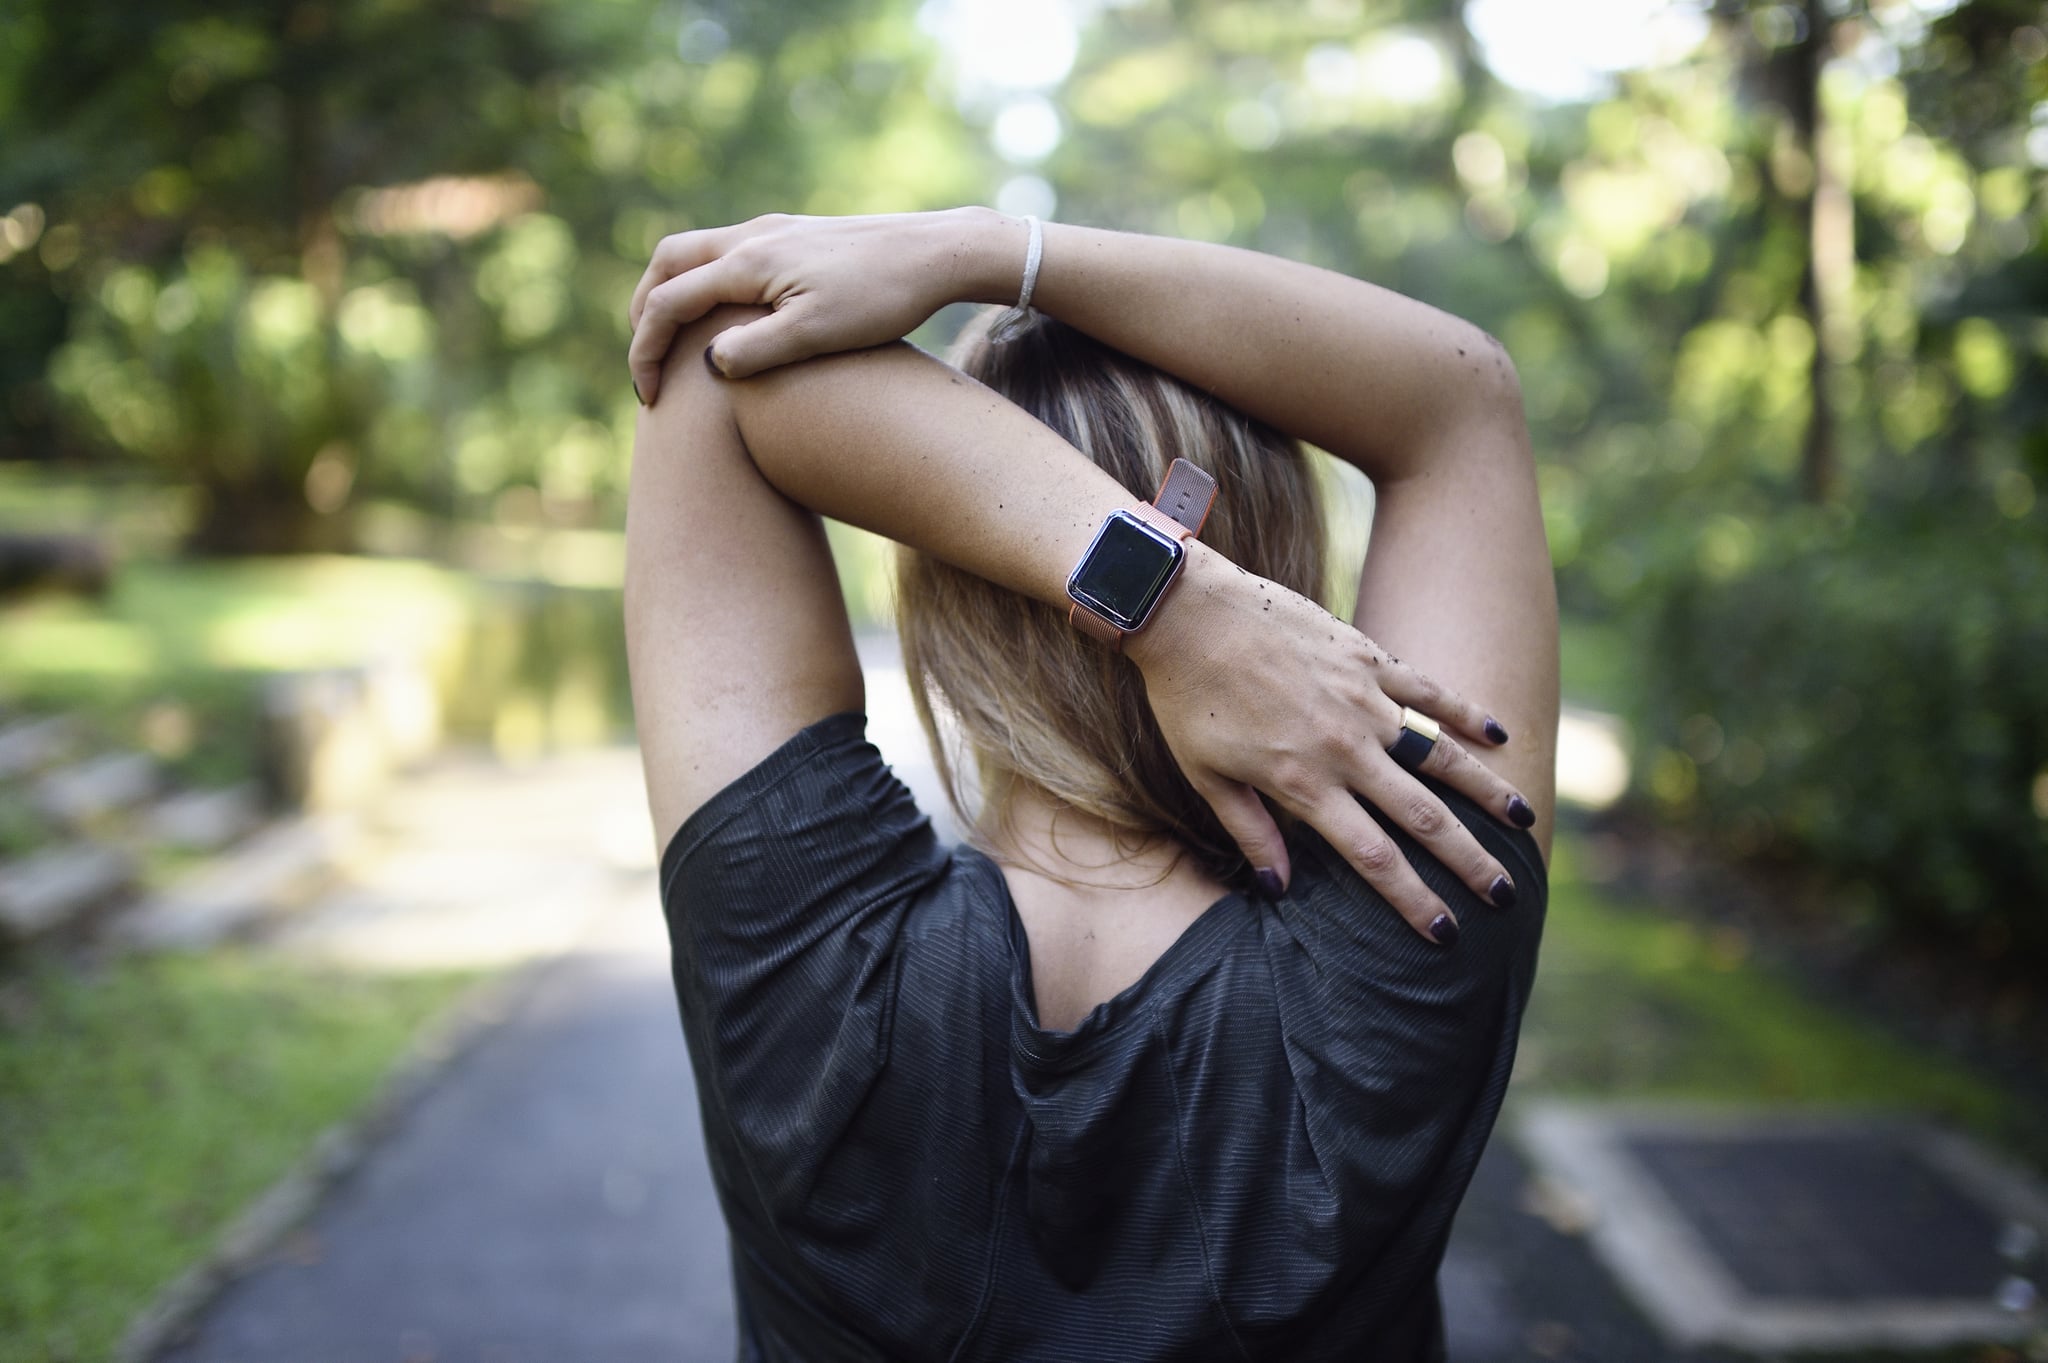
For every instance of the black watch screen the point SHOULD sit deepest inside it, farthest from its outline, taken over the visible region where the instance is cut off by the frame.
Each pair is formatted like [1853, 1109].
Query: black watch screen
[1126, 570]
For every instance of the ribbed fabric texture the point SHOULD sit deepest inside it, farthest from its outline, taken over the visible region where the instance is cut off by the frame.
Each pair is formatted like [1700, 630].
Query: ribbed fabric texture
[1254, 1152]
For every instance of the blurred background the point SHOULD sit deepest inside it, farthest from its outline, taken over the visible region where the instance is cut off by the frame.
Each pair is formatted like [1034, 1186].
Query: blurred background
[315, 428]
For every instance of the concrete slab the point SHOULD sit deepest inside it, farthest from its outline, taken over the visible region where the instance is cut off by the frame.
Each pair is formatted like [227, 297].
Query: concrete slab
[1697, 1258]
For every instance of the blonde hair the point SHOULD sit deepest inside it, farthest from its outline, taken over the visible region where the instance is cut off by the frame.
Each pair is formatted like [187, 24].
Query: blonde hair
[1035, 703]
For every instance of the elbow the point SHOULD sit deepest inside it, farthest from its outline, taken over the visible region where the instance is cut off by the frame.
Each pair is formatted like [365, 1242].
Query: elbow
[1497, 385]
[1490, 388]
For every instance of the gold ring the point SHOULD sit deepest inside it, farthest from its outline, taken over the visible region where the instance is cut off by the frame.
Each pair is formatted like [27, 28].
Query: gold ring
[1416, 740]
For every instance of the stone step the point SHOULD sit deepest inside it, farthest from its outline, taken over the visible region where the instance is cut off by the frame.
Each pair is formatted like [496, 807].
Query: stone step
[101, 785]
[29, 745]
[204, 820]
[57, 887]
[271, 873]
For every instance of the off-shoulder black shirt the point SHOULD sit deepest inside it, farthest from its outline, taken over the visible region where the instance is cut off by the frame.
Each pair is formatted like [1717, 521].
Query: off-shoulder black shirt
[1254, 1152]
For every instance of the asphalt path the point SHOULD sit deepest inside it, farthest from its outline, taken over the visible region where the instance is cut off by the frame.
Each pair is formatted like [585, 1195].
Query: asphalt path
[547, 1200]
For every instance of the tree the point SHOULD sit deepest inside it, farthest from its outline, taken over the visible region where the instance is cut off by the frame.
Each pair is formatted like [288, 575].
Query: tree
[310, 252]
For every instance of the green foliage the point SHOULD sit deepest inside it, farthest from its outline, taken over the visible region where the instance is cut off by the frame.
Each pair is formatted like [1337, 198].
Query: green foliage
[1869, 697]
[308, 254]
[143, 1104]
[232, 380]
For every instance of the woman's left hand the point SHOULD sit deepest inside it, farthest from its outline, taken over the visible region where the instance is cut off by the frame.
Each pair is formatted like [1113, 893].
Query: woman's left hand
[835, 284]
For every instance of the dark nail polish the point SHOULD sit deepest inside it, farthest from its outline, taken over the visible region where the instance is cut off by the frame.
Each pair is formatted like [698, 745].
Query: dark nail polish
[636, 392]
[1445, 929]
[1502, 892]
[1493, 731]
[1269, 882]
[712, 364]
[1519, 812]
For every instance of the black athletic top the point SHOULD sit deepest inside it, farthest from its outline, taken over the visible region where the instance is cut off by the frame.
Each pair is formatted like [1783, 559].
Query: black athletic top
[1254, 1152]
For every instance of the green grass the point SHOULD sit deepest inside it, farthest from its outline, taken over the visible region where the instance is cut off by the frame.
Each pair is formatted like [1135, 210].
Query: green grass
[1633, 1001]
[143, 1103]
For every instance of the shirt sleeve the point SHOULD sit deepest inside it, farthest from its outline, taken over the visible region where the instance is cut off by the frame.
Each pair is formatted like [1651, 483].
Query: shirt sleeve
[1401, 1049]
[786, 895]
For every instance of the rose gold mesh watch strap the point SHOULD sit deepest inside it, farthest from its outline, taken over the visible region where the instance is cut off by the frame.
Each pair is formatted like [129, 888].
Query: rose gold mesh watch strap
[1094, 626]
[1186, 496]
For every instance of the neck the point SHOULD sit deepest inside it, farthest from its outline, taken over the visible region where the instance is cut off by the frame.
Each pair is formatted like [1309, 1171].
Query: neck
[1098, 906]
[1052, 841]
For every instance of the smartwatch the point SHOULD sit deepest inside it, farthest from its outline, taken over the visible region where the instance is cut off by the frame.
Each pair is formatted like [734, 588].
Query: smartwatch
[1136, 555]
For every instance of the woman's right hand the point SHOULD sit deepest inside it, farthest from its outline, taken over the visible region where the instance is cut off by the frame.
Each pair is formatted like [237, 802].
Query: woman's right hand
[835, 284]
[1258, 689]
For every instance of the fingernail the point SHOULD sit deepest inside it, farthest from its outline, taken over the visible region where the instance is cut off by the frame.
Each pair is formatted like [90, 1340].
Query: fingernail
[1445, 929]
[1519, 812]
[711, 363]
[1269, 882]
[1493, 730]
[1502, 892]
[636, 390]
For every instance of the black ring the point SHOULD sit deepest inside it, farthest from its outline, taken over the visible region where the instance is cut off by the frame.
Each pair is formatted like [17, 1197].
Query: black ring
[1411, 749]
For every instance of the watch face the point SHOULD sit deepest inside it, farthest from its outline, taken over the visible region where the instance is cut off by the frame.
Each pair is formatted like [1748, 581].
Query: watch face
[1125, 571]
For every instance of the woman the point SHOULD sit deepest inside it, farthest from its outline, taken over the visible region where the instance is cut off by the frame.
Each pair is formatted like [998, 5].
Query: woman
[1134, 1074]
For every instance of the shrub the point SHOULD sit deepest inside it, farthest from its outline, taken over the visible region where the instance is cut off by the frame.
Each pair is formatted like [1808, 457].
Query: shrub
[1871, 698]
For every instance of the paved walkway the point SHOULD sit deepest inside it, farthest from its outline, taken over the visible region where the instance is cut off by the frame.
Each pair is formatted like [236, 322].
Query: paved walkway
[548, 1199]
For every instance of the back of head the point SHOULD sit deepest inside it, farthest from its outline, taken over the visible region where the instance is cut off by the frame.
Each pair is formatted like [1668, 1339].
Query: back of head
[1036, 703]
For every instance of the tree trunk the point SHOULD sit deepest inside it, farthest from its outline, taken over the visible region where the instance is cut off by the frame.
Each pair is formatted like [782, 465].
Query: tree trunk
[267, 516]
[1830, 226]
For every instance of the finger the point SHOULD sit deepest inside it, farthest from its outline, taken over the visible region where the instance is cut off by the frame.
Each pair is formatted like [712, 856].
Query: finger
[1418, 690]
[1249, 823]
[675, 305]
[1450, 763]
[779, 338]
[1374, 855]
[1418, 812]
[678, 253]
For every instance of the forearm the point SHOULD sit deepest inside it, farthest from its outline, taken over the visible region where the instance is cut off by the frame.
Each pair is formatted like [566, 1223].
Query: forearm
[895, 442]
[1380, 380]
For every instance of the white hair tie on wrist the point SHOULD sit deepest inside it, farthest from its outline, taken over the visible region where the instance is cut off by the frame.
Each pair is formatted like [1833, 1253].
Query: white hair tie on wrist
[1012, 323]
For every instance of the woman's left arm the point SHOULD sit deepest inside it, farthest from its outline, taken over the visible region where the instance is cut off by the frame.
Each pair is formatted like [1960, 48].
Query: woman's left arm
[737, 634]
